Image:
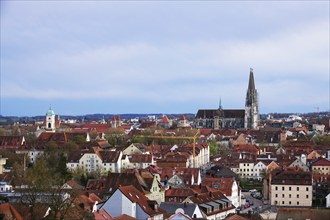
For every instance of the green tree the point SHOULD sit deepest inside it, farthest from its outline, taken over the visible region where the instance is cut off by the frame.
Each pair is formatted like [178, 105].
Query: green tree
[61, 168]
[3, 132]
[79, 139]
[213, 148]
[44, 186]
[17, 174]
[70, 146]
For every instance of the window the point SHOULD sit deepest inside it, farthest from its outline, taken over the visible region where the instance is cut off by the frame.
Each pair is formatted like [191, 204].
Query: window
[307, 188]
[289, 195]
[282, 195]
[282, 202]
[283, 188]
[306, 196]
[289, 188]
[297, 202]
[276, 188]
[297, 188]
[289, 202]
[275, 195]
[297, 195]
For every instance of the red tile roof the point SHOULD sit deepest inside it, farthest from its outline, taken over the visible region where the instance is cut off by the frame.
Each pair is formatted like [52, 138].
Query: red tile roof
[235, 217]
[10, 212]
[140, 158]
[223, 184]
[179, 192]
[290, 177]
[136, 196]
[322, 162]
[164, 119]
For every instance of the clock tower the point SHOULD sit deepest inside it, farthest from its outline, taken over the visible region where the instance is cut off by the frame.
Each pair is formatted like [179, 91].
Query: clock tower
[50, 121]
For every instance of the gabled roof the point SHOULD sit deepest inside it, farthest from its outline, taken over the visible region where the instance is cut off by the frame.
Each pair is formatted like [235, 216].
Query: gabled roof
[164, 119]
[322, 162]
[136, 196]
[228, 113]
[103, 215]
[179, 192]
[223, 184]
[235, 217]
[88, 200]
[11, 141]
[114, 180]
[140, 158]
[110, 156]
[204, 198]
[291, 177]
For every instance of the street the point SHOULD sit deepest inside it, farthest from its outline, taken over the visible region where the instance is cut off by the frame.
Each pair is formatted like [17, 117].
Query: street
[257, 204]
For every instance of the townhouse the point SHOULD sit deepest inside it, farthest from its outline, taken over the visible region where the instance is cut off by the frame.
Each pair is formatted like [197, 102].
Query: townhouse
[228, 186]
[214, 205]
[144, 181]
[95, 159]
[130, 201]
[321, 166]
[141, 161]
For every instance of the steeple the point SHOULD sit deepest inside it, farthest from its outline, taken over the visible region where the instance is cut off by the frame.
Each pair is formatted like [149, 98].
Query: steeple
[251, 105]
[220, 106]
[251, 81]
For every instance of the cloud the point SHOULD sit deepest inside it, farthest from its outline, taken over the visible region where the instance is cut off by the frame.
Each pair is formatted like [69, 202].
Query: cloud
[161, 55]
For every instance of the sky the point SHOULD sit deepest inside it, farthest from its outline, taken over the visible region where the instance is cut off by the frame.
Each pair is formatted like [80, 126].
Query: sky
[116, 57]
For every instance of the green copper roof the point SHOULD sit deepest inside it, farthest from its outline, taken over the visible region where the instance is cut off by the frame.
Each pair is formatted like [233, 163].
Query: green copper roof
[50, 112]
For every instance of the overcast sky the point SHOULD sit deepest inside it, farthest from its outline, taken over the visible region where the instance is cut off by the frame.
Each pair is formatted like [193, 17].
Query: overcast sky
[115, 57]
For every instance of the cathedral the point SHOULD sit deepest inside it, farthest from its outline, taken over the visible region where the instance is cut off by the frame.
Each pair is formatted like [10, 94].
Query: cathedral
[232, 118]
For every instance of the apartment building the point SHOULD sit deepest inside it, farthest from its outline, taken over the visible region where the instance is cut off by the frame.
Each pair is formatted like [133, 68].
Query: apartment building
[291, 188]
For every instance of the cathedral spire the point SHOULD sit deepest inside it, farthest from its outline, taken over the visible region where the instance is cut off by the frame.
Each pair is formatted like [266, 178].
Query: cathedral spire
[251, 81]
[220, 106]
[251, 105]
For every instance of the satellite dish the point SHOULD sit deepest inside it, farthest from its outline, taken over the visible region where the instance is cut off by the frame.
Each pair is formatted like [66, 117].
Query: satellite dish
[179, 210]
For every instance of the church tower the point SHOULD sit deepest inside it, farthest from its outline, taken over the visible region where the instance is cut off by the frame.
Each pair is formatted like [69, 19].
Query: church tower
[50, 121]
[251, 118]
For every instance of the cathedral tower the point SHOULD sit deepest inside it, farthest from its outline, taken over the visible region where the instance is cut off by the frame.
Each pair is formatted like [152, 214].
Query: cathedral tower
[251, 118]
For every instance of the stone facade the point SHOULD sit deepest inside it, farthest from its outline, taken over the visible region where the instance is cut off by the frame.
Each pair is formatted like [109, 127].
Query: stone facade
[232, 118]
